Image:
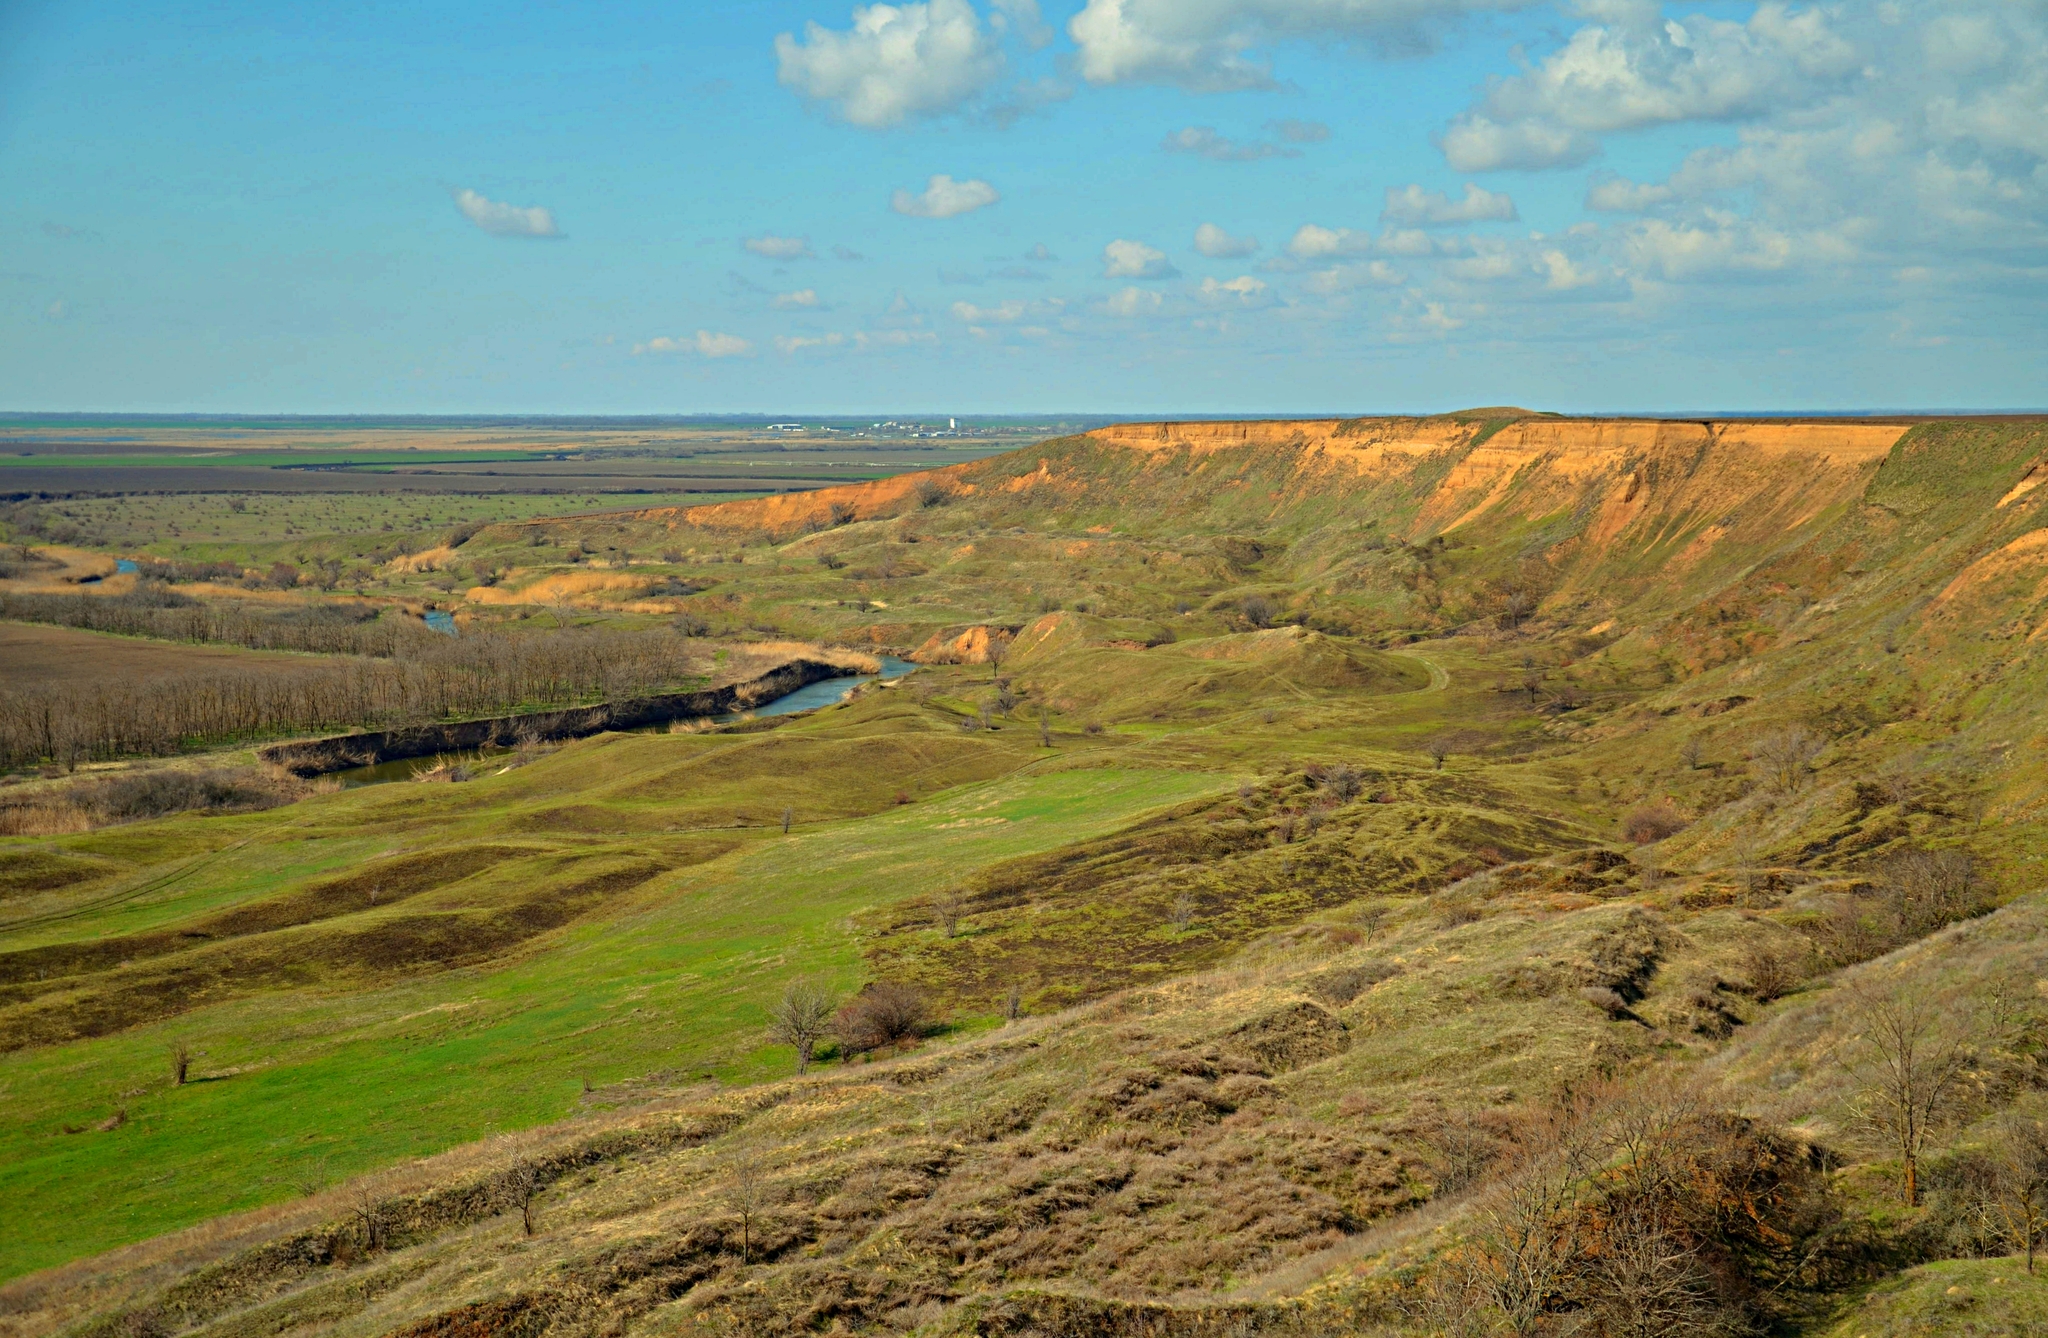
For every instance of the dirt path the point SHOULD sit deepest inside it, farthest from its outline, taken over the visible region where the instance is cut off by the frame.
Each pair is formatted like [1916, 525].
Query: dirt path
[1438, 679]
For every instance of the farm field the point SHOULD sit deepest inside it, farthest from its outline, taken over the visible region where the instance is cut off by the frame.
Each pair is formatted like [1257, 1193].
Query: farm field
[37, 655]
[1294, 834]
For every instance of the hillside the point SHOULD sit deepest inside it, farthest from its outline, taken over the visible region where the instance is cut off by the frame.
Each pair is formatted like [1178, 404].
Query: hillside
[1309, 841]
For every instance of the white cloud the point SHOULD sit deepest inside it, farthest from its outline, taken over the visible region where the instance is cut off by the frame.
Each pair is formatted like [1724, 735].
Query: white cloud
[1134, 260]
[1207, 46]
[1204, 142]
[1618, 195]
[1434, 317]
[1634, 71]
[788, 344]
[1316, 243]
[897, 62]
[1217, 244]
[1003, 314]
[1565, 274]
[704, 343]
[944, 197]
[1412, 206]
[1244, 290]
[1487, 267]
[1132, 303]
[1344, 278]
[1475, 143]
[802, 297]
[1039, 254]
[505, 220]
[772, 247]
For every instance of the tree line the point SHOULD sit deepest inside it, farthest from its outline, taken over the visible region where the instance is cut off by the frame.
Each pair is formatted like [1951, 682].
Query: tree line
[424, 678]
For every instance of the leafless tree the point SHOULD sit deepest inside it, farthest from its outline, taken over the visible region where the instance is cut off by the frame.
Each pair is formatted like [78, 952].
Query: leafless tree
[1647, 1280]
[1911, 1059]
[1182, 912]
[1438, 747]
[802, 1018]
[520, 1188]
[1691, 752]
[746, 1195]
[1044, 727]
[2020, 1182]
[998, 651]
[1773, 972]
[1370, 918]
[788, 816]
[369, 1214]
[181, 1062]
[1013, 1004]
[947, 908]
[1785, 757]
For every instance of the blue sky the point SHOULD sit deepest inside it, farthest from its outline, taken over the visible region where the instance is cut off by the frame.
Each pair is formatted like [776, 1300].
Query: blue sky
[965, 205]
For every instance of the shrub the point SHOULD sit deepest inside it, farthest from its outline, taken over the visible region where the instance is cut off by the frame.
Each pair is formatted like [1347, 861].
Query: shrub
[1259, 611]
[1606, 1000]
[885, 1012]
[1772, 974]
[1652, 822]
[1340, 985]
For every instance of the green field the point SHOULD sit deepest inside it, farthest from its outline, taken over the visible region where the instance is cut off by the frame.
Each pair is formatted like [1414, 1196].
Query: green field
[318, 1084]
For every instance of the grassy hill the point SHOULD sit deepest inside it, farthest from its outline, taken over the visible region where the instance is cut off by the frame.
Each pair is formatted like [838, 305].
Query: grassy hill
[1365, 820]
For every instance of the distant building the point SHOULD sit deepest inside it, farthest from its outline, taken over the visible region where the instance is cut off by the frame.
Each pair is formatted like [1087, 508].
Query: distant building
[785, 427]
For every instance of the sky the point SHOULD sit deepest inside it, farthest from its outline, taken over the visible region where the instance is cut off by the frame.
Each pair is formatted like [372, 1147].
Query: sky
[1168, 207]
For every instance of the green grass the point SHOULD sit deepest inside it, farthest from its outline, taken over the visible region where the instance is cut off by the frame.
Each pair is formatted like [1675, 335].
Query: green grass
[1956, 1298]
[309, 1085]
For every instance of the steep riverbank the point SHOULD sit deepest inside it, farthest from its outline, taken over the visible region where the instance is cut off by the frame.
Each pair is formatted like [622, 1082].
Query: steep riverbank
[317, 757]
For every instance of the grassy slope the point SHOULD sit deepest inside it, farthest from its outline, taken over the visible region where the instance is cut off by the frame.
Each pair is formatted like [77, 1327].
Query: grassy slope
[333, 1069]
[1831, 618]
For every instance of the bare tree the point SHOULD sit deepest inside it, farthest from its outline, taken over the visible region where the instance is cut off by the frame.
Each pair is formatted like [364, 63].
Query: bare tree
[1772, 973]
[2019, 1182]
[181, 1062]
[1438, 748]
[801, 1018]
[1044, 727]
[947, 908]
[520, 1188]
[746, 1195]
[368, 1211]
[788, 816]
[1013, 1004]
[998, 651]
[1182, 912]
[1691, 752]
[1785, 757]
[1370, 918]
[1911, 1059]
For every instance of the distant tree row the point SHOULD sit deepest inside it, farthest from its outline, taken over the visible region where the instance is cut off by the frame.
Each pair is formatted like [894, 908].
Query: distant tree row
[427, 678]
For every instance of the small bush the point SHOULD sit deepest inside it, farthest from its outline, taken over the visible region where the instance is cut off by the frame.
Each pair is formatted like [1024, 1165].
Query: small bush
[884, 1013]
[1652, 822]
[1340, 985]
[1606, 1000]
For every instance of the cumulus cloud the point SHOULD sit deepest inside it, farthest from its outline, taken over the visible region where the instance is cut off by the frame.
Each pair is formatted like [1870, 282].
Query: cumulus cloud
[1244, 291]
[1208, 46]
[1132, 303]
[1217, 244]
[1637, 70]
[802, 297]
[1413, 207]
[1134, 260]
[506, 220]
[1204, 142]
[704, 343]
[770, 247]
[895, 63]
[1312, 242]
[944, 197]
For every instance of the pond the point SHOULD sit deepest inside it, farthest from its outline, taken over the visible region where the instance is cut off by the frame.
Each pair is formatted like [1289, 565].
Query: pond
[827, 692]
[440, 620]
[126, 565]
